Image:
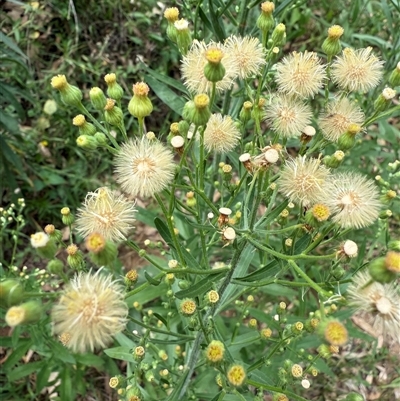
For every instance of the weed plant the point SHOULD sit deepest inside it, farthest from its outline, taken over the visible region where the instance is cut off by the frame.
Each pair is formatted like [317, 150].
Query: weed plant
[272, 235]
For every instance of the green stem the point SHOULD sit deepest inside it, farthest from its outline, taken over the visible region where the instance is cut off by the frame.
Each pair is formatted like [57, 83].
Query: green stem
[169, 333]
[275, 389]
[195, 352]
[288, 257]
[310, 282]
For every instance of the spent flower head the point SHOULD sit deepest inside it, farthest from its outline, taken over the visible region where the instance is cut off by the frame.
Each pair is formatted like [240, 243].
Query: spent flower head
[339, 115]
[221, 134]
[302, 180]
[107, 213]
[144, 167]
[300, 74]
[288, 116]
[248, 53]
[377, 303]
[92, 310]
[352, 198]
[357, 70]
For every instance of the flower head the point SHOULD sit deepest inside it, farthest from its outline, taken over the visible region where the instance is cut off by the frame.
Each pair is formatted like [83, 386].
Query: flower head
[91, 310]
[39, 239]
[300, 74]
[144, 167]
[357, 70]
[335, 332]
[107, 213]
[221, 135]
[302, 180]
[340, 114]
[353, 200]
[248, 53]
[193, 68]
[287, 116]
[378, 303]
[236, 375]
[215, 351]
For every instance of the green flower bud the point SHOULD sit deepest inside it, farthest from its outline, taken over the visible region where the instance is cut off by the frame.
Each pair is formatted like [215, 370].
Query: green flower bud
[172, 32]
[384, 100]
[67, 217]
[279, 35]
[394, 79]
[348, 139]
[101, 138]
[332, 45]
[98, 98]
[183, 36]
[11, 292]
[245, 112]
[265, 22]
[214, 70]
[354, 397]
[140, 105]
[85, 128]
[26, 313]
[45, 246]
[114, 89]
[379, 272]
[55, 266]
[87, 142]
[113, 114]
[197, 111]
[106, 256]
[75, 257]
[70, 95]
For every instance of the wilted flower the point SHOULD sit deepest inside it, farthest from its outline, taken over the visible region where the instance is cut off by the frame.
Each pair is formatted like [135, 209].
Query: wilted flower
[144, 168]
[357, 70]
[221, 135]
[300, 74]
[338, 116]
[377, 303]
[107, 213]
[288, 116]
[353, 200]
[91, 310]
[248, 53]
[193, 68]
[302, 180]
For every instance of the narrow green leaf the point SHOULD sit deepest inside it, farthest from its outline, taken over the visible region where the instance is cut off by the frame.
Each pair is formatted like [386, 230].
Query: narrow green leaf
[163, 230]
[242, 266]
[16, 355]
[90, 360]
[25, 370]
[9, 123]
[159, 317]
[199, 288]
[61, 353]
[173, 83]
[65, 388]
[151, 280]
[121, 353]
[266, 271]
[169, 97]
[42, 377]
[216, 22]
[12, 45]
